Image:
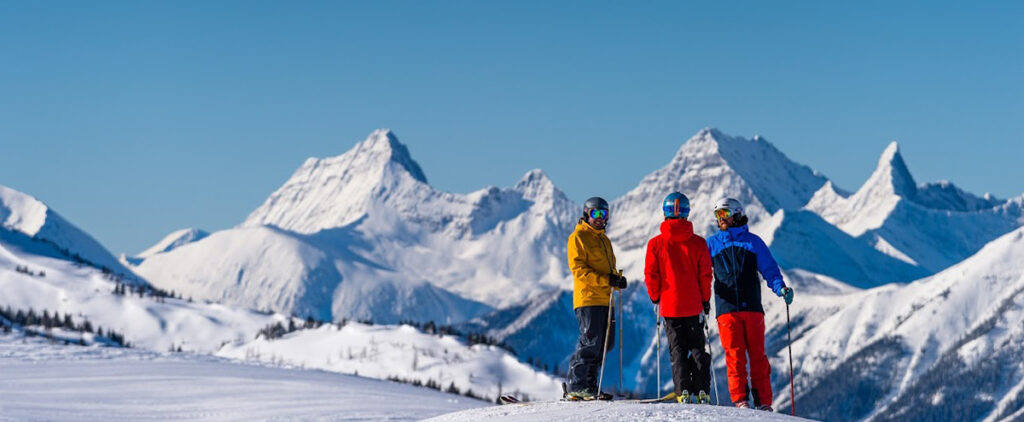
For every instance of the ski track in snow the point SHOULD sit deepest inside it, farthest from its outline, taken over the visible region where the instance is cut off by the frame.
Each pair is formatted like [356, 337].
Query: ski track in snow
[41, 381]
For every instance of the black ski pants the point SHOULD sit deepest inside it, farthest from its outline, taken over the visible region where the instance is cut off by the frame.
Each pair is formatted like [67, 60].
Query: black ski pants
[691, 362]
[586, 361]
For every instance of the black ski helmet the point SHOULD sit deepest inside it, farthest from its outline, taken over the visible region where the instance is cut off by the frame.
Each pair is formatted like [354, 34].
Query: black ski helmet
[594, 202]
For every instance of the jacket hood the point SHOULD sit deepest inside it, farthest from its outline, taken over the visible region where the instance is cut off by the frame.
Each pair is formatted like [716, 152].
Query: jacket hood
[677, 229]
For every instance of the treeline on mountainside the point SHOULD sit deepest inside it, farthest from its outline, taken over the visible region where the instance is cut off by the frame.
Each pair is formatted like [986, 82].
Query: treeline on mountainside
[452, 389]
[10, 317]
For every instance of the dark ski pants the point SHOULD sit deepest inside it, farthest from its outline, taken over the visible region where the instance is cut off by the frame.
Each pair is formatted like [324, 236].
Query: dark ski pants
[586, 361]
[691, 362]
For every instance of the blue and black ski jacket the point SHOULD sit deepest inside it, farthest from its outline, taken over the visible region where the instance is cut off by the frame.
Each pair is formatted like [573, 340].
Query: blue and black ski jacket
[737, 255]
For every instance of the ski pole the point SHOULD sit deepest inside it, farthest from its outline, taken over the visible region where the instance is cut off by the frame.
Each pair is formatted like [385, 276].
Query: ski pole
[619, 325]
[657, 319]
[711, 367]
[792, 390]
[604, 351]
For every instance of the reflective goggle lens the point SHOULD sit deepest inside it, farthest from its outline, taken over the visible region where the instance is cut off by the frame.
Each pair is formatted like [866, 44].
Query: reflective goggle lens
[598, 213]
[723, 213]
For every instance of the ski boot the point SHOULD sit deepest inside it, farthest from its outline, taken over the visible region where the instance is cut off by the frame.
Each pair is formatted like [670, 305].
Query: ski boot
[582, 395]
[683, 397]
[765, 408]
[703, 397]
[587, 396]
[742, 405]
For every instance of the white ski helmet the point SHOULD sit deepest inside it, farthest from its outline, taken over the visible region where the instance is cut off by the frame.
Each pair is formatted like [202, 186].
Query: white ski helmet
[734, 206]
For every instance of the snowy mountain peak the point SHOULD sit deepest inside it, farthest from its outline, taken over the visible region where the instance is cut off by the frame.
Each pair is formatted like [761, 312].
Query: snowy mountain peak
[892, 173]
[384, 141]
[711, 133]
[704, 141]
[333, 192]
[174, 240]
[709, 166]
[536, 186]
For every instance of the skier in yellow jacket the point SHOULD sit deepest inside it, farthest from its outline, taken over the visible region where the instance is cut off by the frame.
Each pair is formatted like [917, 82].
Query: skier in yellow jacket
[592, 263]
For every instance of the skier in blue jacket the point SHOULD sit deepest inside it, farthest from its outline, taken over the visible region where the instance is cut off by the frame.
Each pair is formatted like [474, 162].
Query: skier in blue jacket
[737, 256]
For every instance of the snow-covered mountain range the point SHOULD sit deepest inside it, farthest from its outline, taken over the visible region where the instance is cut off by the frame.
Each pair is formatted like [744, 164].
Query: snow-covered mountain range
[931, 226]
[364, 236]
[346, 230]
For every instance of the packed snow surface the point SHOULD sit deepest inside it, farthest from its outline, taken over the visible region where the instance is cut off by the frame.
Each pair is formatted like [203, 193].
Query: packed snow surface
[611, 411]
[71, 383]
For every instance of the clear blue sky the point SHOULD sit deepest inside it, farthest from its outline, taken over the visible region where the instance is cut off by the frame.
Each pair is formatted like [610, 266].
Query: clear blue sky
[137, 118]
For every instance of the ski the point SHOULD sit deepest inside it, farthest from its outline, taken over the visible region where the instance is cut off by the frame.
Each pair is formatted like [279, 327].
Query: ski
[668, 398]
[509, 399]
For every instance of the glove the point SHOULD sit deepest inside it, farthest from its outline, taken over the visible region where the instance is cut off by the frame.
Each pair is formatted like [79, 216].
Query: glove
[707, 307]
[787, 294]
[617, 281]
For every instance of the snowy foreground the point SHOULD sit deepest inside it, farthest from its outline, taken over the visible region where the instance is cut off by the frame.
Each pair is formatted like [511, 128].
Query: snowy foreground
[610, 411]
[40, 381]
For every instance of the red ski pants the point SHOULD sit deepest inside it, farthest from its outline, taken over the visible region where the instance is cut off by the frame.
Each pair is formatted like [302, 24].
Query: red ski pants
[742, 334]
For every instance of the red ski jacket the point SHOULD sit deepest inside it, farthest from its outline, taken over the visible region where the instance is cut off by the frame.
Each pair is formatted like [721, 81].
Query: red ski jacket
[678, 270]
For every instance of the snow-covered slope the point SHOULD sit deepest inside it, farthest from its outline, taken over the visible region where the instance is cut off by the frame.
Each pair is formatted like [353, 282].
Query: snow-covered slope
[88, 294]
[803, 240]
[932, 226]
[20, 212]
[68, 383]
[362, 235]
[318, 275]
[611, 411]
[947, 347]
[385, 352]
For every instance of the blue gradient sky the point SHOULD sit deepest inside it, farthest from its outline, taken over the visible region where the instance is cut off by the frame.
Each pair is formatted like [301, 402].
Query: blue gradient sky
[134, 119]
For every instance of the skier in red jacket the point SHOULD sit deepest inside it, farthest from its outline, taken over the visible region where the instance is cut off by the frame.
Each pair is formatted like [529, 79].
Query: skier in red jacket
[678, 276]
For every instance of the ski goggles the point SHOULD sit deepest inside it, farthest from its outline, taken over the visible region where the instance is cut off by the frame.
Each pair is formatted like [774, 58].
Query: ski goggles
[723, 213]
[598, 213]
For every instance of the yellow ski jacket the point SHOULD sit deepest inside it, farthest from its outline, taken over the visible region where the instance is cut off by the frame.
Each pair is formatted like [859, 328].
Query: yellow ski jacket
[591, 261]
